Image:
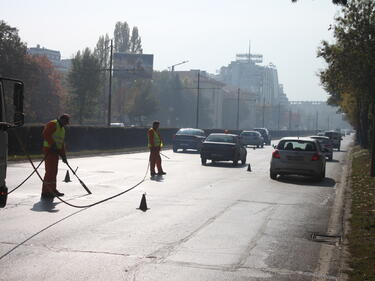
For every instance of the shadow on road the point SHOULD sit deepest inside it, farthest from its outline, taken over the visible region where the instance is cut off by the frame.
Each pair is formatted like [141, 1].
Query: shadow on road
[300, 180]
[45, 206]
[188, 151]
[225, 165]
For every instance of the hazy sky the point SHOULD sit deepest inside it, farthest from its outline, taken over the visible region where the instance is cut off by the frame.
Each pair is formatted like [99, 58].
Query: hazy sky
[207, 33]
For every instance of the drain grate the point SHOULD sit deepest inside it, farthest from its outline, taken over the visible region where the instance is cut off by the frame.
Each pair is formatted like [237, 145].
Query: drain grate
[325, 238]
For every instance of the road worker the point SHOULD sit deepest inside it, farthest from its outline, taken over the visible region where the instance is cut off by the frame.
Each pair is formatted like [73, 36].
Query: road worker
[53, 147]
[155, 143]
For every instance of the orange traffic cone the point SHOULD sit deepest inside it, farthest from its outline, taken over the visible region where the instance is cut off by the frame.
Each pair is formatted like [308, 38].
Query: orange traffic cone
[67, 177]
[143, 205]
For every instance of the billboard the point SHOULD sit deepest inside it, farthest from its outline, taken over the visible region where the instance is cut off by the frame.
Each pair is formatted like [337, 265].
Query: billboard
[132, 65]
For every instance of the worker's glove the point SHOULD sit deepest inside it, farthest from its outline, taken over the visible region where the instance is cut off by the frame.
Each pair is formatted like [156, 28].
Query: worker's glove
[63, 158]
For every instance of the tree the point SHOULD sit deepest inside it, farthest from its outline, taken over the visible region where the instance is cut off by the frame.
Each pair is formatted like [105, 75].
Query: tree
[122, 37]
[84, 81]
[43, 91]
[135, 42]
[102, 53]
[12, 52]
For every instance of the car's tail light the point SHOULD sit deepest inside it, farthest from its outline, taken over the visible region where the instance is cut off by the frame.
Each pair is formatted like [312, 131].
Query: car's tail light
[276, 154]
[315, 157]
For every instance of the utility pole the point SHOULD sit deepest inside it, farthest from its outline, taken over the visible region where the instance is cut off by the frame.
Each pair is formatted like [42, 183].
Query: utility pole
[238, 109]
[290, 119]
[316, 122]
[278, 119]
[110, 86]
[264, 105]
[197, 117]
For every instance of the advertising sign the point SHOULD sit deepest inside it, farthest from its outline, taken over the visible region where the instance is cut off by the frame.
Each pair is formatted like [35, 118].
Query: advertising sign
[132, 65]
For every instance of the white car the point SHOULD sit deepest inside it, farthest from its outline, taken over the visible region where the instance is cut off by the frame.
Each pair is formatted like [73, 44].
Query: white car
[298, 156]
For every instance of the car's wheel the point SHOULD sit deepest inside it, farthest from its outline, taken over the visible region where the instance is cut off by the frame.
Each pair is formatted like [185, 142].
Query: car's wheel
[262, 145]
[257, 145]
[330, 158]
[243, 161]
[273, 175]
[204, 161]
[174, 149]
[235, 162]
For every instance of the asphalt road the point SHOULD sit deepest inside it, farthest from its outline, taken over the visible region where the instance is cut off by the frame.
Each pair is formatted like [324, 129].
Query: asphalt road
[214, 222]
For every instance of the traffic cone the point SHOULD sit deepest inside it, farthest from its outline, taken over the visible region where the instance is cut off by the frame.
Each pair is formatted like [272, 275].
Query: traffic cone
[143, 205]
[67, 177]
[249, 168]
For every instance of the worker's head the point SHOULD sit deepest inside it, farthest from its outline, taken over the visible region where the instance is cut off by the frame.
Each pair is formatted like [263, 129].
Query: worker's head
[155, 124]
[64, 119]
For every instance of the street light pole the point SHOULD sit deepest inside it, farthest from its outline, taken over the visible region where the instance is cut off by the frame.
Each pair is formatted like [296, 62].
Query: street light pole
[238, 109]
[110, 86]
[197, 116]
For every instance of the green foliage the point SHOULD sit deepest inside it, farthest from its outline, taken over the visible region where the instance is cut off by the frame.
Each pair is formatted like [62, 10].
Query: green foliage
[351, 70]
[122, 37]
[135, 42]
[84, 81]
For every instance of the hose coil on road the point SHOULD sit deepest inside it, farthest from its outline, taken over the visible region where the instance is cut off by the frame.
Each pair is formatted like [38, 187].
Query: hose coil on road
[35, 170]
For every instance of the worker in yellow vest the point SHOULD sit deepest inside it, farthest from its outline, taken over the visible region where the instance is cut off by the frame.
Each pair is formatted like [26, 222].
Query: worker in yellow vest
[53, 147]
[155, 143]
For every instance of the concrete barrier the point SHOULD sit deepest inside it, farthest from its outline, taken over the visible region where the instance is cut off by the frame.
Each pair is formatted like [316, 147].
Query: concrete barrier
[80, 138]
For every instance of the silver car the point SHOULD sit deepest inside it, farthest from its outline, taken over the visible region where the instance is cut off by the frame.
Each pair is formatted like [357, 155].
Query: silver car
[326, 145]
[298, 156]
[251, 138]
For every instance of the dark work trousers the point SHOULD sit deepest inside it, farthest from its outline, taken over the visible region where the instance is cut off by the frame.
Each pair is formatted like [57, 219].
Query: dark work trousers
[51, 164]
[155, 160]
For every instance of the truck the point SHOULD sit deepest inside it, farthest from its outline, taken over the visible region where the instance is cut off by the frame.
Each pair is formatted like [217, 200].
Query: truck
[11, 116]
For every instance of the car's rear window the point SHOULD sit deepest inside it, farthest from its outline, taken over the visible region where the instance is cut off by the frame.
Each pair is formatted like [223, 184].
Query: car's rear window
[296, 145]
[221, 138]
[252, 134]
[190, 132]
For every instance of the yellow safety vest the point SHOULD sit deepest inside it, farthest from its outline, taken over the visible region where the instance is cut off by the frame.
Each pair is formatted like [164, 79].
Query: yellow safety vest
[157, 141]
[58, 136]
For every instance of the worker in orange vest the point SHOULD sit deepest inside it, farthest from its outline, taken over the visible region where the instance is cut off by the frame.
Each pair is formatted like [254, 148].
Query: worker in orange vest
[53, 147]
[155, 143]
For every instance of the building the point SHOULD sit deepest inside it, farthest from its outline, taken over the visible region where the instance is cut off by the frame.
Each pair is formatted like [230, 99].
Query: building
[53, 56]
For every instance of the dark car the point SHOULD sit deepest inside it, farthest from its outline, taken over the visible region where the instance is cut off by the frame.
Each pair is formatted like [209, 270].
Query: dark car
[223, 147]
[265, 134]
[335, 137]
[188, 138]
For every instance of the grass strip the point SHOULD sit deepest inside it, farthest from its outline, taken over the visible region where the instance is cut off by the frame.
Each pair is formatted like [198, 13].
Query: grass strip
[362, 222]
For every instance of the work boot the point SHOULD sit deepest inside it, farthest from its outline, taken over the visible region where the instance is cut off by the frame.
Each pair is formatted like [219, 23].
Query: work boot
[153, 174]
[162, 173]
[58, 193]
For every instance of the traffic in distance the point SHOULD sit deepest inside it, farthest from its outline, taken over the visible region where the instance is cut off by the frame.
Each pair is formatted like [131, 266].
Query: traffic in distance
[302, 156]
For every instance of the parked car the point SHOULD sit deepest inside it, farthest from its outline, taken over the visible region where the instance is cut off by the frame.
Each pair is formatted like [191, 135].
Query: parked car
[265, 134]
[326, 146]
[251, 138]
[335, 137]
[298, 156]
[188, 138]
[223, 147]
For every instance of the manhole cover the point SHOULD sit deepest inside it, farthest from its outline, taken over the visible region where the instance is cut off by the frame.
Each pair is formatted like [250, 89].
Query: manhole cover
[325, 238]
